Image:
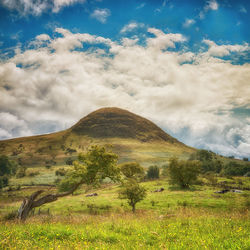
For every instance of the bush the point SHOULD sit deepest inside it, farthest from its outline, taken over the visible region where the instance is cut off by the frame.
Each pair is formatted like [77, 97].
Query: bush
[183, 173]
[153, 172]
[132, 170]
[69, 161]
[60, 172]
[4, 181]
[48, 166]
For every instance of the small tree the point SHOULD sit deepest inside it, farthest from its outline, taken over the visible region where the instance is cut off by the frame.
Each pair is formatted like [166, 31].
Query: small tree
[93, 166]
[132, 170]
[153, 172]
[183, 173]
[133, 192]
[7, 168]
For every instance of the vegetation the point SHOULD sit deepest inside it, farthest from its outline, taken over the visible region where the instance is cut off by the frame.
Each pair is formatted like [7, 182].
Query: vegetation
[133, 192]
[7, 168]
[153, 172]
[92, 167]
[183, 173]
[132, 170]
[197, 213]
[180, 219]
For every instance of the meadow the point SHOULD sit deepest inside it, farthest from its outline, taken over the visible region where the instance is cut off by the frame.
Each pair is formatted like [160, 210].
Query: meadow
[197, 218]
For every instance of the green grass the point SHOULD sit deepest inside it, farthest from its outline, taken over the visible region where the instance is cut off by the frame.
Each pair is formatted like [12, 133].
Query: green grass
[172, 219]
[185, 230]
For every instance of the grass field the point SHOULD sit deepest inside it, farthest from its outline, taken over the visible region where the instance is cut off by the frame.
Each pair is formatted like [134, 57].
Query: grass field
[172, 219]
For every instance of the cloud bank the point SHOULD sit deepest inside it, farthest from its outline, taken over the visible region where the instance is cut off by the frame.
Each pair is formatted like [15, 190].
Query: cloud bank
[57, 80]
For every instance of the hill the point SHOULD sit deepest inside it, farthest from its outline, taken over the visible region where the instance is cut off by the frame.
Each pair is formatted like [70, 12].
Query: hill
[133, 138]
[115, 122]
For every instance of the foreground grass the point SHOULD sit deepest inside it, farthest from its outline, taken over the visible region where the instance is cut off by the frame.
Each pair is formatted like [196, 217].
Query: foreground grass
[197, 218]
[184, 228]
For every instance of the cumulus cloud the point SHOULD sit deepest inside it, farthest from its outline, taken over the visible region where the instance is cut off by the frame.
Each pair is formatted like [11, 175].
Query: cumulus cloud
[188, 23]
[37, 7]
[211, 5]
[162, 40]
[66, 77]
[131, 27]
[224, 50]
[101, 15]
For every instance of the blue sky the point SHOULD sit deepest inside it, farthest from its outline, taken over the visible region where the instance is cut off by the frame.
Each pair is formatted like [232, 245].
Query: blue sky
[186, 61]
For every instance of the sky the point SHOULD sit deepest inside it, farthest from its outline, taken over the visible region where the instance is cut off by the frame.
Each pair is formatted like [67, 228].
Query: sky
[185, 65]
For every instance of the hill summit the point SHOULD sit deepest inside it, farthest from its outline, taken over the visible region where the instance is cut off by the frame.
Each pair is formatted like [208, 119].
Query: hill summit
[116, 122]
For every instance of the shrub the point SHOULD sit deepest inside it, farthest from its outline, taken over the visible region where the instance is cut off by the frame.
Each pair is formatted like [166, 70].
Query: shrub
[4, 181]
[153, 172]
[60, 172]
[132, 170]
[69, 161]
[48, 166]
[183, 173]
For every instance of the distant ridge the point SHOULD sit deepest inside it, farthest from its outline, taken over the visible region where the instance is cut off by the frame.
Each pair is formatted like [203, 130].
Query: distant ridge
[116, 122]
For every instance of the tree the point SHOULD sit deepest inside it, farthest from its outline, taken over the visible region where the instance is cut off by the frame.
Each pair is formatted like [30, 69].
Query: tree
[132, 170]
[91, 168]
[7, 168]
[133, 192]
[183, 173]
[153, 172]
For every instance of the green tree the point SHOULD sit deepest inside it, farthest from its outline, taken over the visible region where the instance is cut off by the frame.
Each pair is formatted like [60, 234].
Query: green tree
[92, 167]
[7, 168]
[133, 192]
[183, 173]
[153, 172]
[132, 170]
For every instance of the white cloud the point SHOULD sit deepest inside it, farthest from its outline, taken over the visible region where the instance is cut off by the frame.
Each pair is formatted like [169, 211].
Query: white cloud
[58, 4]
[188, 23]
[101, 15]
[162, 40]
[211, 5]
[37, 7]
[131, 26]
[224, 50]
[61, 81]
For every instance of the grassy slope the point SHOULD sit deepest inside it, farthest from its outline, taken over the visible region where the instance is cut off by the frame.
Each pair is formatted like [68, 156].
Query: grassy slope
[133, 137]
[174, 219]
[37, 150]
